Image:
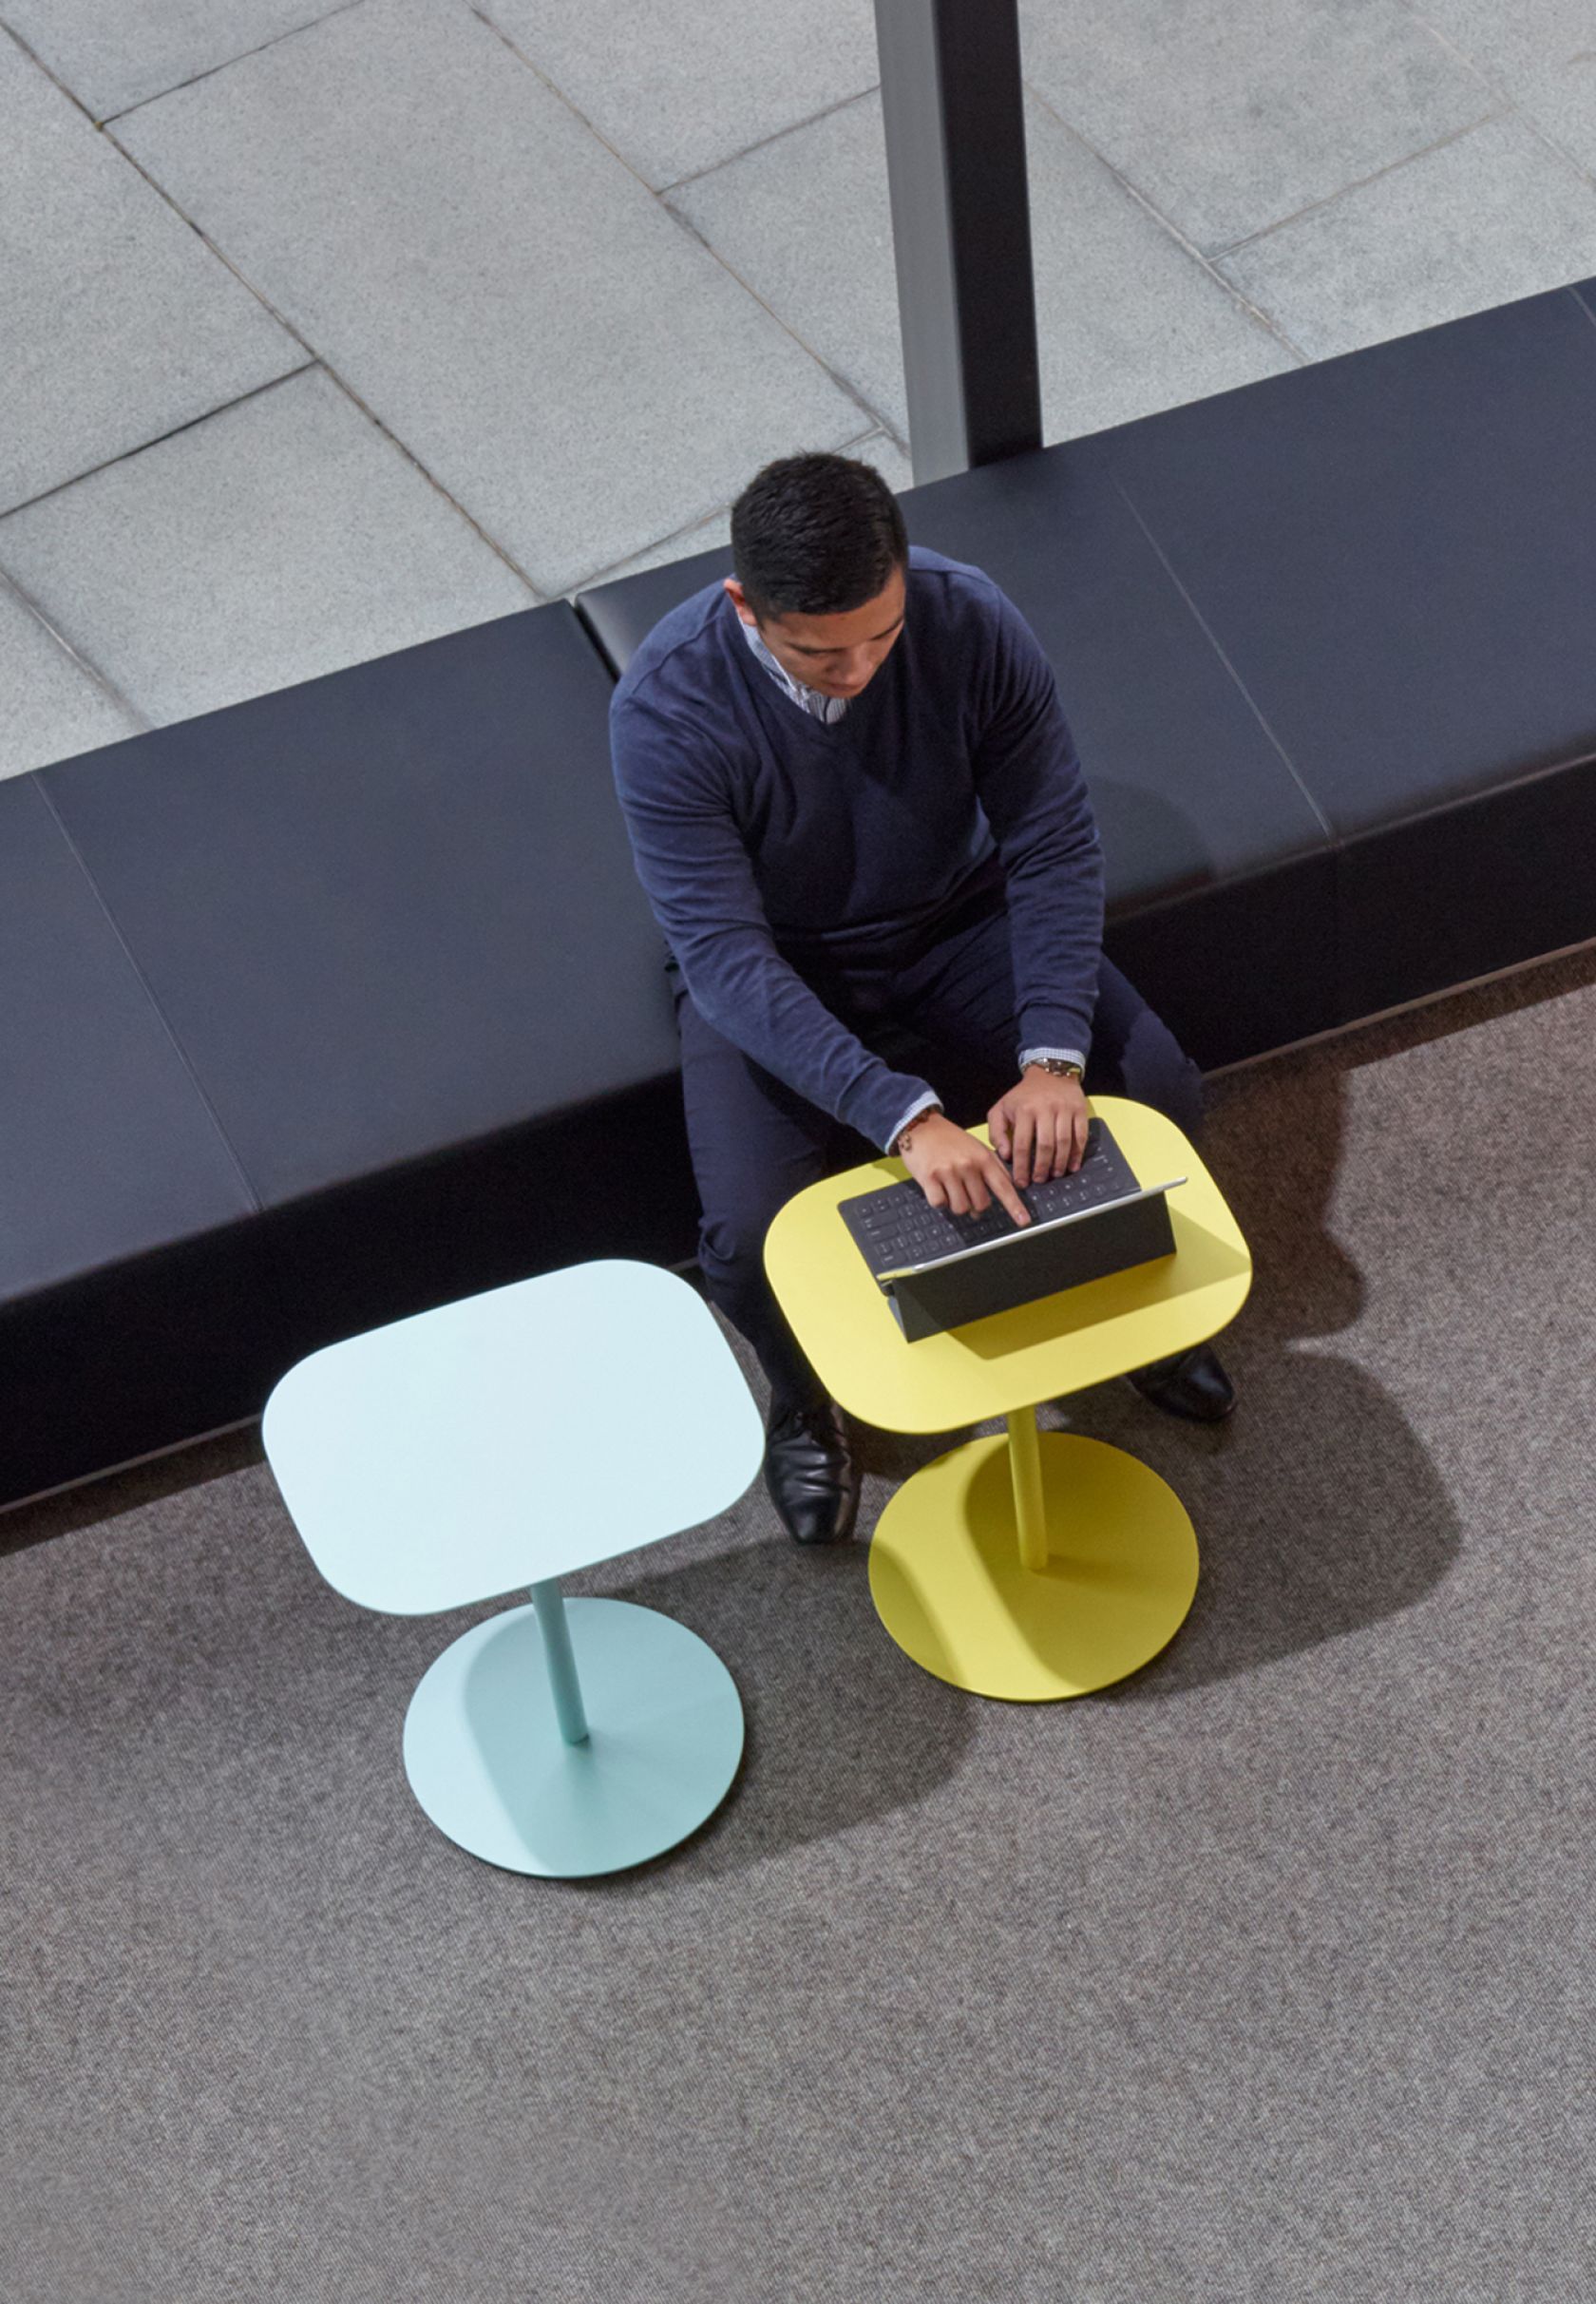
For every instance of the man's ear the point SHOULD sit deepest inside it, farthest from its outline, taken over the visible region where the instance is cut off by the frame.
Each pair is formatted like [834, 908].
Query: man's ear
[735, 595]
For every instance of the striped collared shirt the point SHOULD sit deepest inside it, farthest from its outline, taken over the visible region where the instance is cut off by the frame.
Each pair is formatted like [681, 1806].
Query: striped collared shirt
[829, 710]
[826, 709]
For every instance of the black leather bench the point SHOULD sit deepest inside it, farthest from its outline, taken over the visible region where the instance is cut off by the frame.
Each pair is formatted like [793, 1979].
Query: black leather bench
[1217, 859]
[1329, 649]
[314, 1011]
[345, 1000]
[1397, 552]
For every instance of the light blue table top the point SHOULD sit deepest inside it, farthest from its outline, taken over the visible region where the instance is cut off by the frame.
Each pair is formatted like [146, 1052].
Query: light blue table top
[512, 1437]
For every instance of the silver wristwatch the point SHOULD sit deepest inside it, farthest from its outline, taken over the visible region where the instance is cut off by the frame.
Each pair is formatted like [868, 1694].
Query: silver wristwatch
[1061, 1067]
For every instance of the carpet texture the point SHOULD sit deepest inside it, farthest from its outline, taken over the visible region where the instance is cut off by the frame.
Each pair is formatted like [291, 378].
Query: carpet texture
[1267, 1975]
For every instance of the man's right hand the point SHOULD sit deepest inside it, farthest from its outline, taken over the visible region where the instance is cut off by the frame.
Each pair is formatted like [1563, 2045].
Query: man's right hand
[958, 1172]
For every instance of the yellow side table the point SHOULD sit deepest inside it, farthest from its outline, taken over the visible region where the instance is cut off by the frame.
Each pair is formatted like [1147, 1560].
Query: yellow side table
[1038, 1565]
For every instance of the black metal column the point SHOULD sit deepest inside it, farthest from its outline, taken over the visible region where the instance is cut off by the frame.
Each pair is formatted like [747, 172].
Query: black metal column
[953, 105]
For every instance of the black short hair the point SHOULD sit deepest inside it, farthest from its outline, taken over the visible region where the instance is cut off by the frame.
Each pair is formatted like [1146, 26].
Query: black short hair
[816, 535]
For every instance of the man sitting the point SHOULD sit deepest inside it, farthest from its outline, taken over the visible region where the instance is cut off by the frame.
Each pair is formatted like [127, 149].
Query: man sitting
[857, 811]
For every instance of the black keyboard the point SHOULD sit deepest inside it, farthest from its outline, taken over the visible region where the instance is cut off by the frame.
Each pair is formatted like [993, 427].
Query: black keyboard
[898, 1227]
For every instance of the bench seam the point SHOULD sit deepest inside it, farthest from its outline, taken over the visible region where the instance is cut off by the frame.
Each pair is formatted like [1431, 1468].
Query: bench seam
[1248, 697]
[256, 1206]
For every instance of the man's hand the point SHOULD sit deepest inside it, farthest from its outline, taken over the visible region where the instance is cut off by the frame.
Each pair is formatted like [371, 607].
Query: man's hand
[957, 1171]
[1040, 1127]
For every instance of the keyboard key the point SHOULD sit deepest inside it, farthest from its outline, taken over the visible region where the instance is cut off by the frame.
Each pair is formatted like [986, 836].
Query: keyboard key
[896, 1225]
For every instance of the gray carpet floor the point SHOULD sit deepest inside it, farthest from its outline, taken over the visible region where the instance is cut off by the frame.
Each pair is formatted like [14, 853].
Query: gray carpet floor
[1267, 1975]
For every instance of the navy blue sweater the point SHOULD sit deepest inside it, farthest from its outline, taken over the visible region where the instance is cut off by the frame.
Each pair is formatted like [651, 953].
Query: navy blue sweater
[772, 847]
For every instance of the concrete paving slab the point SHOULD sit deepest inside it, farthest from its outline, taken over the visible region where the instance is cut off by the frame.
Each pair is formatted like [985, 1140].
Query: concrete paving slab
[1540, 53]
[710, 535]
[278, 539]
[118, 323]
[680, 87]
[1491, 216]
[113, 53]
[54, 709]
[1513, 41]
[1562, 103]
[1129, 321]
[503, 292]
[1231, 119]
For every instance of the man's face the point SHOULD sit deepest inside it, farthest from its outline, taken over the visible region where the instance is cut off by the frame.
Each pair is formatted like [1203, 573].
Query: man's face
[838, 655]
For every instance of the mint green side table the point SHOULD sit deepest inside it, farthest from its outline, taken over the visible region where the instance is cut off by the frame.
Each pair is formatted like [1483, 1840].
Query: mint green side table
[508, 1441]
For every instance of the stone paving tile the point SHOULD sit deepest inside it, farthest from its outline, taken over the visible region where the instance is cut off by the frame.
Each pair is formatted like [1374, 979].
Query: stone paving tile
[1128, 320]
[708, 535]
[117, 323]
[280, 539]
[678, 88]
[493, 283]
[1513, 41]
[1491, 216]
[113, 53]
[1231, 118]
[1542, 53]
[704, 535]
[1562, 101]
[53, 709]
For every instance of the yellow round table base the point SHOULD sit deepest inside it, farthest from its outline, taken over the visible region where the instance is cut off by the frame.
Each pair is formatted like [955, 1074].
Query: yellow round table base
[948, 1584]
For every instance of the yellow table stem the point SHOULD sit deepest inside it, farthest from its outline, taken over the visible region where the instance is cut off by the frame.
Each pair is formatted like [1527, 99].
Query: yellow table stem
[1025, 1464]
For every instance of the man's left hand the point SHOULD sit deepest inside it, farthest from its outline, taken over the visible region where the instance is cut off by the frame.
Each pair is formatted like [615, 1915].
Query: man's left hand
[1039, 1127]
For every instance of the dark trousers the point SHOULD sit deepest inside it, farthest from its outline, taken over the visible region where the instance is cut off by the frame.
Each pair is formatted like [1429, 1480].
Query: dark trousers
[945, 1013]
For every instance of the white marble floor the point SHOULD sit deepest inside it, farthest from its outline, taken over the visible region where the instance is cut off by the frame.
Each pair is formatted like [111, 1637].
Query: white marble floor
[332, 324]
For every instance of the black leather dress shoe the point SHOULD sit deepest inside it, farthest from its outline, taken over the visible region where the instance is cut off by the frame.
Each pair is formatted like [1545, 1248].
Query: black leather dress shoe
[810, 1474]
[1191, 1384]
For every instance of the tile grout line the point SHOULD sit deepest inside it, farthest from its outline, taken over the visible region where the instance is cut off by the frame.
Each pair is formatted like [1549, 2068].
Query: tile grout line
[1212, 638]
[174, 432]
[1362, 184]
[1187, 247]
[654, 191]
[54, 78]
[1509, 100]
[319, 360]
[1544, 136]
[85, 664]
[877, 422]
[313, 359]
[558, 94]
[606, 574]
[761, 144]
[875, 419]
[340, 7]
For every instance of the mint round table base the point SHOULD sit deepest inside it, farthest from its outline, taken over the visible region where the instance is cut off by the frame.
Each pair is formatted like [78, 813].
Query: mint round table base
[1033, 1567]
[487, 1759]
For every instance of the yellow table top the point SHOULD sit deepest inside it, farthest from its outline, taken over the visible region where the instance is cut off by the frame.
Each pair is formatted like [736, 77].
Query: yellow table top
[1012, 1360]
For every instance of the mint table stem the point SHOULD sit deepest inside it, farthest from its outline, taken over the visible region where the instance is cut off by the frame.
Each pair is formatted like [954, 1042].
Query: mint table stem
[564, 1687]
[447, 1459]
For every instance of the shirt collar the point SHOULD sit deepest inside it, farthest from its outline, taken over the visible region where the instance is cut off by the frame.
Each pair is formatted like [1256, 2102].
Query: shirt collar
[827, 709]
